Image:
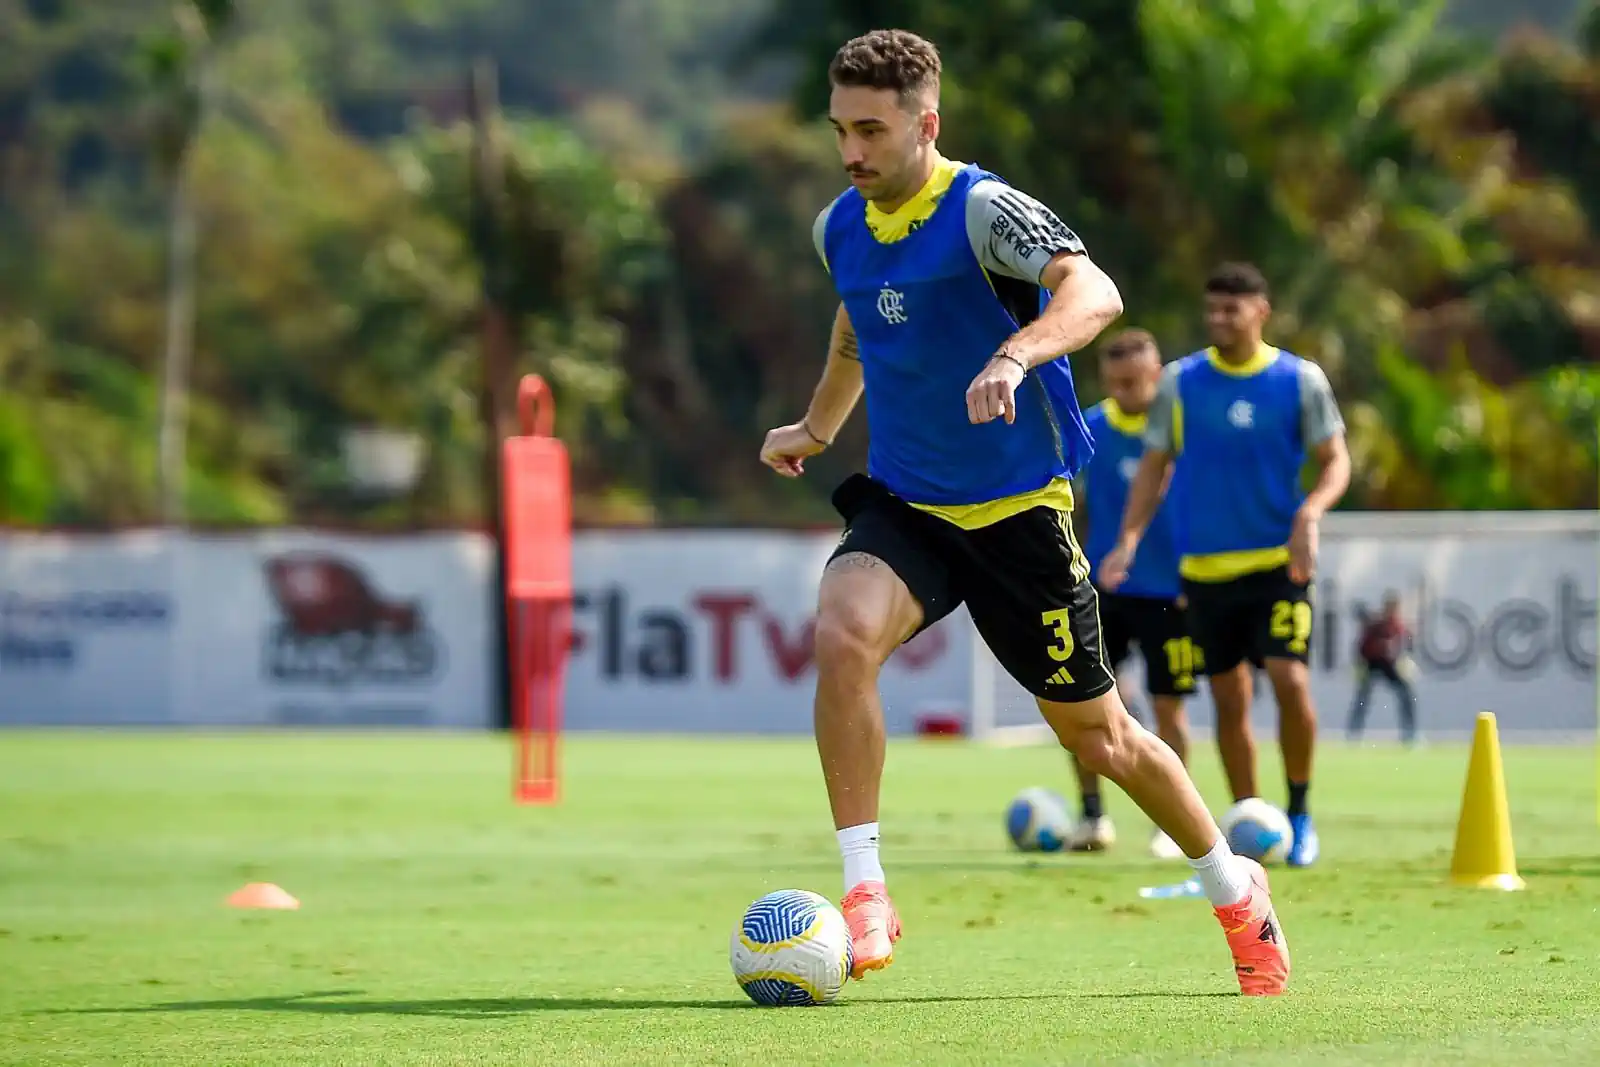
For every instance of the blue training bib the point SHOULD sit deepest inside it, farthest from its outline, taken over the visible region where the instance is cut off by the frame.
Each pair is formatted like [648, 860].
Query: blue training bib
[927, 317]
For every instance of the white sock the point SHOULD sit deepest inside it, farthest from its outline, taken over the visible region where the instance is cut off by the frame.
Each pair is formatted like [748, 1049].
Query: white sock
[1223, 877]
[859, 847]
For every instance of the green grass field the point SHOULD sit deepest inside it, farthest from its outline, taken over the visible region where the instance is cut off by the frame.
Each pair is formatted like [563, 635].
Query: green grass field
[441, 924]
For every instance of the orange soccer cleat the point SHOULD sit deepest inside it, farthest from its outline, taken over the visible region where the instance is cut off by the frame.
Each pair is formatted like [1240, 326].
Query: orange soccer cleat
[1260, 952]
[874, 927]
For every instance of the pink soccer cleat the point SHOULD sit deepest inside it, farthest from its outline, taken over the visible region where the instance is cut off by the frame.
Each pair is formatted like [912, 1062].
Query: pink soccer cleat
[874, 927]
[1260, 953]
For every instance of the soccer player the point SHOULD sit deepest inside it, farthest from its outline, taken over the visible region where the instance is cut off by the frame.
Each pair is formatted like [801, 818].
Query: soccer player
[1239, 420]
[1145, 610]
[975, 435]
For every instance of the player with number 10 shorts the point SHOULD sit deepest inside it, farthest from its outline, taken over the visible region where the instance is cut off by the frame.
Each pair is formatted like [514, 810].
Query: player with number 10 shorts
[1146, 613]
[1232, 428]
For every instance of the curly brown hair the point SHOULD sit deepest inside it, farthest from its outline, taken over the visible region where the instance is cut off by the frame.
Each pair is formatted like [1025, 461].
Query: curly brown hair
[888, 59]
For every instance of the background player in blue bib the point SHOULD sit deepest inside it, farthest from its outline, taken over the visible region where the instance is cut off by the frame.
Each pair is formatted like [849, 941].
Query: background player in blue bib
[1240, 420]
[975, 436]
[1145, 612]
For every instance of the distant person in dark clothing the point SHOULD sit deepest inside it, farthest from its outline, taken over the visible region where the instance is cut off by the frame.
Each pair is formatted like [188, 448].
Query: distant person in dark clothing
[1382, 653]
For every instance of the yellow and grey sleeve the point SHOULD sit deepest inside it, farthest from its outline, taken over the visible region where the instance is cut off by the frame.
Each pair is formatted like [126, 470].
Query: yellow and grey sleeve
[1319, 409]
[1162, 431]
[1013, 234]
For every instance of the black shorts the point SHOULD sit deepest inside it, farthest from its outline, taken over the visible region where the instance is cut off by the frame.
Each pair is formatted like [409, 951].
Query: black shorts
[1160, 630]
[1023, 579]
[1256, 617]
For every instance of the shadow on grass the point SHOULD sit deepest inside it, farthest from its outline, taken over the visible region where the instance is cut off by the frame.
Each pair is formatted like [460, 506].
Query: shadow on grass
[1562, 867]
[1042, 863]
[327, 1003]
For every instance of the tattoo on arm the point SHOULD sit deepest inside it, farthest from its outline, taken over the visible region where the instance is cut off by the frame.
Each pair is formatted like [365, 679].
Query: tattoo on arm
[847, 347]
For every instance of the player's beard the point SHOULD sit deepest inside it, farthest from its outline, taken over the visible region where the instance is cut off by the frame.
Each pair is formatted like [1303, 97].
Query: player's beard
[903, 181]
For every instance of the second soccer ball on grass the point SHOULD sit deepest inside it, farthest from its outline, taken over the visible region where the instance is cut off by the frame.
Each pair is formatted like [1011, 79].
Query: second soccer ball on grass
[1258, 829]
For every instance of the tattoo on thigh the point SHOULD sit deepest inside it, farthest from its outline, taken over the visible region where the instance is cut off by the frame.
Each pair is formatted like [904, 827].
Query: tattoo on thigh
[855, 561]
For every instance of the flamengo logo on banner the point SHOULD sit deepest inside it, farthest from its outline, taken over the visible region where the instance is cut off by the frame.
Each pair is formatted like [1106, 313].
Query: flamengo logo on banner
[658, 644]
[337, 629]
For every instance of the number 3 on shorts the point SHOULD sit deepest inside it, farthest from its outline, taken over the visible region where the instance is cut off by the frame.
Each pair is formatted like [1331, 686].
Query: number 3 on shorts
[1291, 621]
[1059, 622]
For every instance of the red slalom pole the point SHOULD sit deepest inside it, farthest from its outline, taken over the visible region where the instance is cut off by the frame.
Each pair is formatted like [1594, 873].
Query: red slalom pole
[537, 494]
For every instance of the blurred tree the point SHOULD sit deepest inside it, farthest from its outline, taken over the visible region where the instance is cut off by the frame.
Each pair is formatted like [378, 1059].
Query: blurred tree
[1519, 136]
[182, 69]
[1426, 209]
[1281, 137]
[328, 305]
[1060, 104]
[26, 492]
[1309, 136]
[64, 85]
[1174, 135]
[1496, 15]
[28, 497]
[579, 246]
[319, 305]
[375, 60]
[733, 342]
[1456, 441]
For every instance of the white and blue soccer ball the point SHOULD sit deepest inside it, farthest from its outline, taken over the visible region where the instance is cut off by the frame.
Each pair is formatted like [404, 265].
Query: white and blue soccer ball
[1039, 821]
[1258, 829]
[792, 949]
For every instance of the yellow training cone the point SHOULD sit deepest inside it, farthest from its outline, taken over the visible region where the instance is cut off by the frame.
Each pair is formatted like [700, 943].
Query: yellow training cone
[1484, 855]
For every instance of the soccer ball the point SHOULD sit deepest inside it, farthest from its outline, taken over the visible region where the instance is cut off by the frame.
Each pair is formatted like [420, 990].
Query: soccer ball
[791, 949]
[1038, 821]
[1257, 829]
